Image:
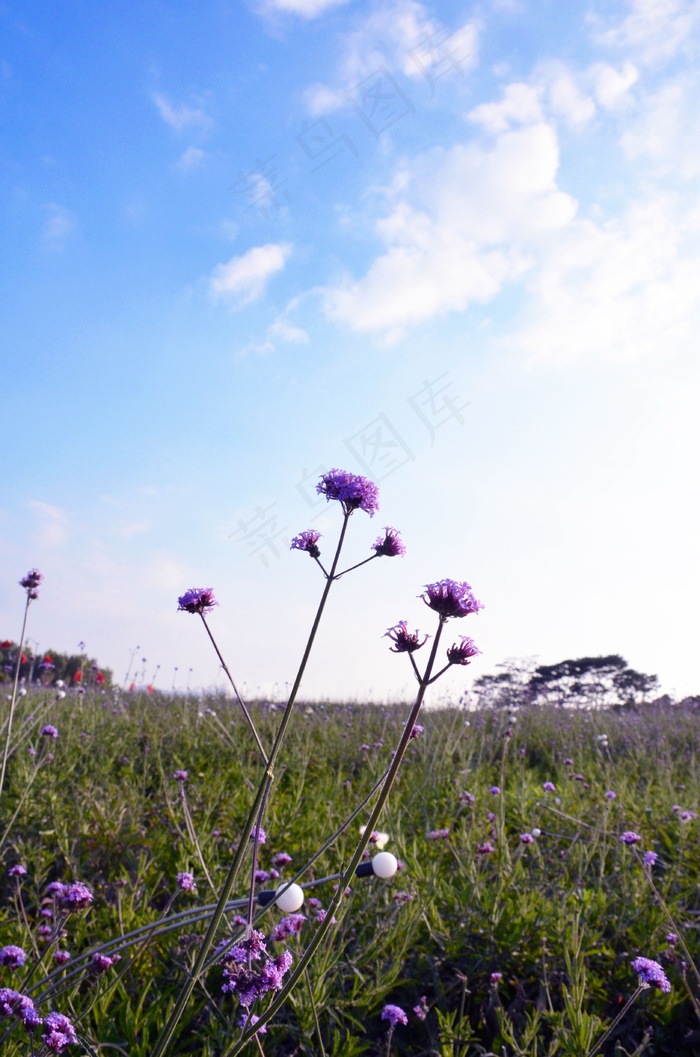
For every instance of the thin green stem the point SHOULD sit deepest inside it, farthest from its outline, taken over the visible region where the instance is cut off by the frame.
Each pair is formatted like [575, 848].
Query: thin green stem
[608, 1032]
[13, 699]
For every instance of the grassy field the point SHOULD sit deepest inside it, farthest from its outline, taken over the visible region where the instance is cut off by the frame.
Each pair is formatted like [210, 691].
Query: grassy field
[509, 929]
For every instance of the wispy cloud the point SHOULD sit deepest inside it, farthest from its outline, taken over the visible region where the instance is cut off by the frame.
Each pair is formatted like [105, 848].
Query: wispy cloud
[52, 523]
[191, 158]
[244, 279]
[303, 8]
[59, 225]
[653, 32]
[181, 116]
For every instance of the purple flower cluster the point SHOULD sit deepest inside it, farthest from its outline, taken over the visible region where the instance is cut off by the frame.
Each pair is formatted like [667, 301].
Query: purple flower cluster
[650, 974]
[463, 653]
[526, 838]
[14, 1004]
[248, 984]
[31, 583]
[186, 882]
[49, 731]
[13, 957]
[405, 641]
[390, 545]
[394, 1014]
[438, 834]
[102, 962]
[549, 787]
[291, 925]
[72, 897]
[451, 598]
[281, 859]
[350, 490]
[58, 1032]
[180, 776]
[630, 837]
[307, 541]
[17, 871]
[421, 1010]
[197, 600]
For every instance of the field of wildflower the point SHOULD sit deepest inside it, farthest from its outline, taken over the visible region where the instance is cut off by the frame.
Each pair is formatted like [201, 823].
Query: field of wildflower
[213, 876]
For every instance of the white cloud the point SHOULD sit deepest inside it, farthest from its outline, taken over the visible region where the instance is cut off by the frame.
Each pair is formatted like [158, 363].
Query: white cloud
[623, 289]
[566, 99]
[180, 117]
[610, 86]
[520, 106]
[281, 330]
[191, 158]
[303, 8]
[667, 129]
[243, 279]
[60, 224]
[397, 37]
[52, 523]
[653, 31]
[466, 225]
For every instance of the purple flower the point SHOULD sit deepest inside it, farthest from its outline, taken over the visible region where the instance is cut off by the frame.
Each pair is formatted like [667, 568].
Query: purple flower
[262, 835]
[186, 882]
[31, 583]
[671, 939]
[394, 1014]
[421, 1010]
[549, 787]
[306, 541]
[13, 1004]
[281, 859]
[101, 963]
[416, 730]
[494, 790]
[390, 545]
[404, 641]
[45, 931]
[688, 816]
[496, 978]
[467, 797]
[438, 834]
[291, 925]
[197, 600]
[61, 957]
[451, 598]
[526, 838]
[650, 974]
[49, 732]
[463, 653]
[486, 848]
[351, 491]
[17, 871]
[12, 956]
[58, 1032]
[261, 876]
[75, 897]
[650, 858]
[610, 795]
[274, 971]
[630, 837]
[250, 1021]
[568, 762]
[180, 776]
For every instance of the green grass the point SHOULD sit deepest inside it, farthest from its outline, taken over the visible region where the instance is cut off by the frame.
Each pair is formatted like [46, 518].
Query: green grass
[560, 919]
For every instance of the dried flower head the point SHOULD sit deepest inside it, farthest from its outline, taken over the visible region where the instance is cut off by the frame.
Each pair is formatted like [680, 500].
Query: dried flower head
[197, 600]
[451, 598]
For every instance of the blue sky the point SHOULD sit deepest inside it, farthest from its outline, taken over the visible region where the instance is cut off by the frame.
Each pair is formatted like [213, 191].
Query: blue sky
[452, 247]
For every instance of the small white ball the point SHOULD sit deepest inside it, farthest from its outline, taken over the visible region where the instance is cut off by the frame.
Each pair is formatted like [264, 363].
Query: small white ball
[385, 864]
[291, 899]
[59, 684]
[536, 832]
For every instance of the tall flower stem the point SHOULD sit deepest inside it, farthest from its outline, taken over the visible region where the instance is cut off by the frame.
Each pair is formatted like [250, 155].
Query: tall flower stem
[348, 873]
[225, 667]
[13, 700]
[253, 815]
[608, 1032]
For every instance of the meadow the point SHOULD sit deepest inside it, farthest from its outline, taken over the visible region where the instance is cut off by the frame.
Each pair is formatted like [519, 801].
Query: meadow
[489, 942]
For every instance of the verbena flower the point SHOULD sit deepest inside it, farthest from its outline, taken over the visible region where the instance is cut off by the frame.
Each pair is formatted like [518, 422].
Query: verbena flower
[494, 790]
[61, 957]
[58, 1032]
[405, 641]
[251, 1021]
[180, 776]
[526, 838]
[101, 963]
[496, 978]
[17, 871]
[688, 816]
[650, 858]
[671, 939]
[281, 859]
[307, 541]
[74, 897]
[262, 835]
[439, 834]
[610, 795]
[421, 1010]
[650, 974]
[49, 731]
[463, 653]
[630, 837]
[186, 882]
[416, 730]
[352, 491]
[549, 787]
[451, 598]
[394, 1014]
[486, 848]
[291, 925]
[14, 1004]
[13, 957]
[390, 545]
[31, 583]
[197, 600]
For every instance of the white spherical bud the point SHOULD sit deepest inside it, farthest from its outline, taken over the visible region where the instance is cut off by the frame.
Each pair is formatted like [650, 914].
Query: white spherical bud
[61, 694]
[385, 864]
[291, 899]
[536, 832]
[59, 684]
